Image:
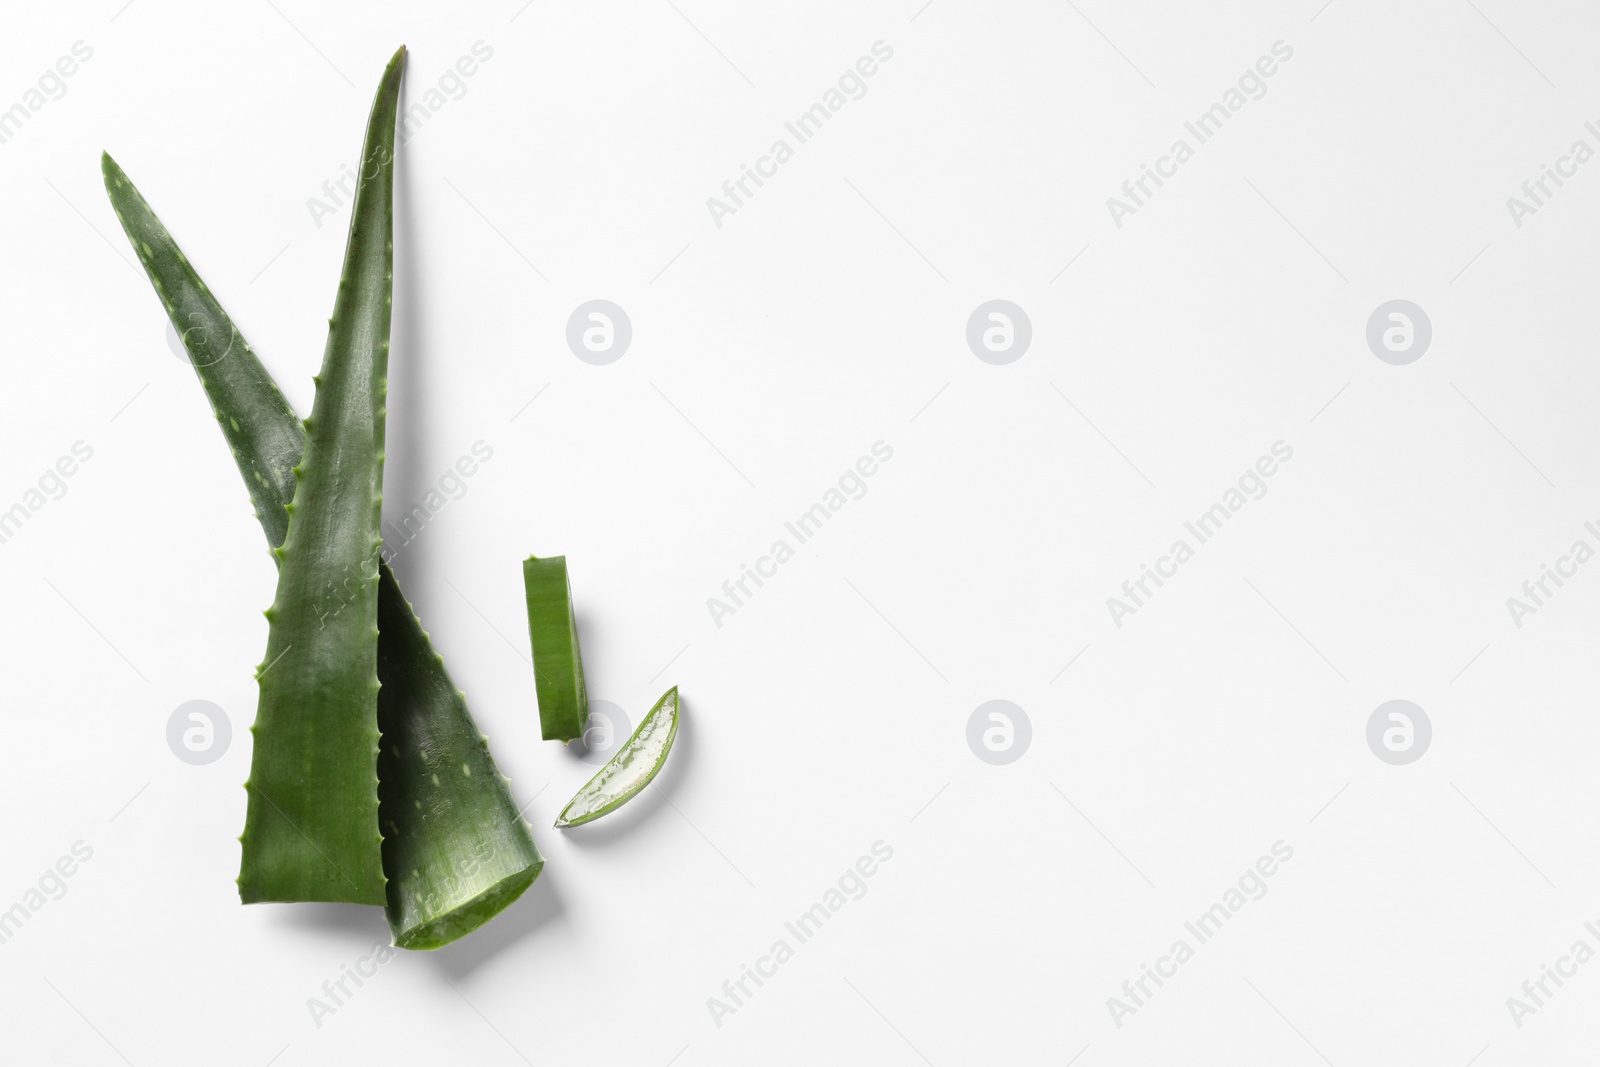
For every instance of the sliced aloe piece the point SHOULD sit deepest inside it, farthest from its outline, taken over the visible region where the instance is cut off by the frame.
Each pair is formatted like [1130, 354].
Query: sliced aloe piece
[557, 664]
[631, 769]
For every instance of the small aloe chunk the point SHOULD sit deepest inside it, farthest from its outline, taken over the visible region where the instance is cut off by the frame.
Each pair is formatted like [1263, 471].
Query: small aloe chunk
[631, 769]
[557, 664]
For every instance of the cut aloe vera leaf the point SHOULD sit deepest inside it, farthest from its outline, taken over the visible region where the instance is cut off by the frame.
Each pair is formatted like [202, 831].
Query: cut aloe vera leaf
[630, 770]
[455, 847]
[311, 826]
[448, 886]
[557, 664]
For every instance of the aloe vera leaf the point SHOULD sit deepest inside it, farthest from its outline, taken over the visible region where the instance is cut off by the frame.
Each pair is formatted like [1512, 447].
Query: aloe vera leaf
[455, 846]
[557, 663]
[262, 430]
[627, 773]
[441, 885]
[311, 826]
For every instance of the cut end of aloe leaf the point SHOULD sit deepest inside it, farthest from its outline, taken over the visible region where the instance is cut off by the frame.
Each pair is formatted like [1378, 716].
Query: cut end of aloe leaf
[455, 845]
[282, 862]
[557, 663]
[468, 917]
[630, 770]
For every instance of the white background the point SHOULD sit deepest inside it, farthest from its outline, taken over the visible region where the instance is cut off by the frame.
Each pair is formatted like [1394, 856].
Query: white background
[769, 353]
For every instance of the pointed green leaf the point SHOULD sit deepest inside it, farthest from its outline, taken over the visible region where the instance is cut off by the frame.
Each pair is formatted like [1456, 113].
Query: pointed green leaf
[446, 875]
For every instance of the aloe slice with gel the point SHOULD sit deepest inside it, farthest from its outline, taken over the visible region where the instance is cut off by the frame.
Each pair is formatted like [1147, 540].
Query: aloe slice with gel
[631, 769]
